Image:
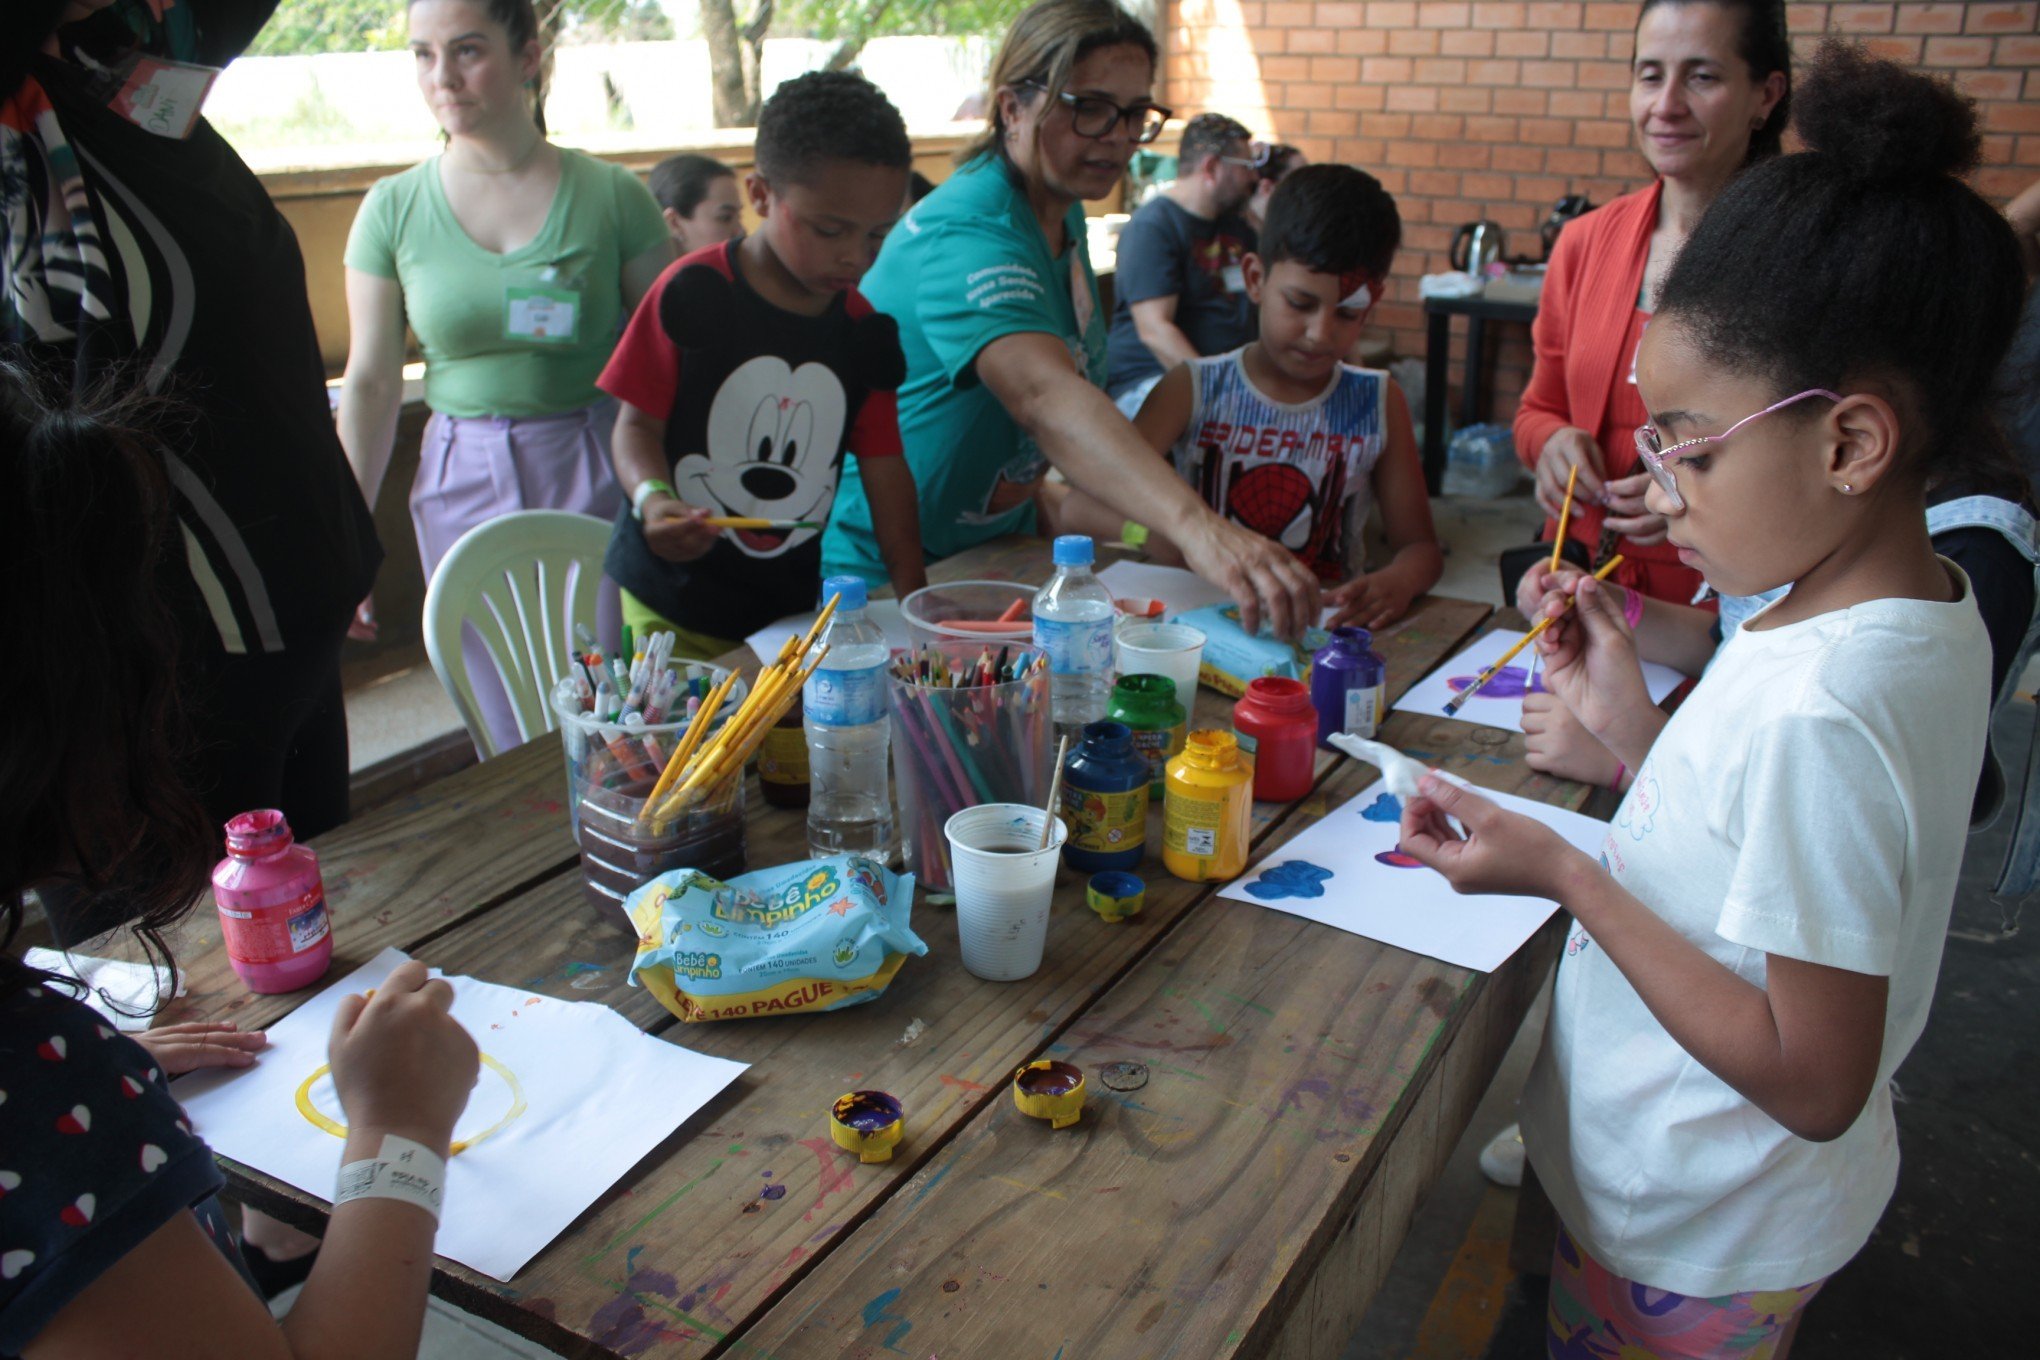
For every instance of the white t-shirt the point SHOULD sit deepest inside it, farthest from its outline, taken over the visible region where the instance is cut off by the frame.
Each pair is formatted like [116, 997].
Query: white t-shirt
[1810, 799]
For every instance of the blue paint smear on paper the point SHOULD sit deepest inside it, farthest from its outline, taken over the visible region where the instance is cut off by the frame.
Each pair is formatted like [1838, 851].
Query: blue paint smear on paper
[1385, 808]
[1296, 878]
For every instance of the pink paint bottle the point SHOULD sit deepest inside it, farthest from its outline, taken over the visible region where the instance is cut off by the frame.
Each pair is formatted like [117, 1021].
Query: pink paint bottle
[272, 905]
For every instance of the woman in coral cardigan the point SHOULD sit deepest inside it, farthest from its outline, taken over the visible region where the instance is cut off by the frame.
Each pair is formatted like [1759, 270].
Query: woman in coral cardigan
[1708, 95]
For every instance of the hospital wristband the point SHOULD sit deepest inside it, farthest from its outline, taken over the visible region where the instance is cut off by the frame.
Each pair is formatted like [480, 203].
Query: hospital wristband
[648, 488]
[402, 1170]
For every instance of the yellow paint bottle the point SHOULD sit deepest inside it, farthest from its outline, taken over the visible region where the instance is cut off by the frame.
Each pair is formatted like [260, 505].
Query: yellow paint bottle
[1207, 808]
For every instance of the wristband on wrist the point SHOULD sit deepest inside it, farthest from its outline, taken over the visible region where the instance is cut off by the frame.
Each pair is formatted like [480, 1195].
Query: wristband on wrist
[648, 488]
[402, 1170]
[1133, 535]
[1632, 608]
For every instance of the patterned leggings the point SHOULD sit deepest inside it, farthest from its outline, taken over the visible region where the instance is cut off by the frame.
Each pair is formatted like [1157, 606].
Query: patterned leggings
[1596, 1315]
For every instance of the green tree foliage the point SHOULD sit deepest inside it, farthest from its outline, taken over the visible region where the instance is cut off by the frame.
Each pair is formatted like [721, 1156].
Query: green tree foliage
[852, 23]
[309, 26]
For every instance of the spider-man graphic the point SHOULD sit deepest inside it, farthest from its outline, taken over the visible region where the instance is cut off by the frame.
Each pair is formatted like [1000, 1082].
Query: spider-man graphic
[1279, 501]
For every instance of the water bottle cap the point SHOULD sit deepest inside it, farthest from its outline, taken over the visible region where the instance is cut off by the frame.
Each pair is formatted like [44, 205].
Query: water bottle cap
[851, 588]
[1073, 550]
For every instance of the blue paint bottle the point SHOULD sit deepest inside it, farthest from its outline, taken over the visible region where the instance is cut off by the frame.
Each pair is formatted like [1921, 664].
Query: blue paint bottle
[1105, 800]
[1348, 685]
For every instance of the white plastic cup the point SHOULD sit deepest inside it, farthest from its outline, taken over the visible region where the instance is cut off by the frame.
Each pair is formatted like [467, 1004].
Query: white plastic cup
[1004, 886]
[1171, 649]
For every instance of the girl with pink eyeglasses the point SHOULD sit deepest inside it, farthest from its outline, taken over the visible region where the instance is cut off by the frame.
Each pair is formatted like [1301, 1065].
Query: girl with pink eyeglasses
[1754, 952]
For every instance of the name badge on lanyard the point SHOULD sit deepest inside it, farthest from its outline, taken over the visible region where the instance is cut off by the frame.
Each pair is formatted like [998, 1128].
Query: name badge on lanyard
[545, 313]
[163, 96]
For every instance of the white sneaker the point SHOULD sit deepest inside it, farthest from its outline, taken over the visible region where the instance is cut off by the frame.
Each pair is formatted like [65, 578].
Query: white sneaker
[1501, 1161]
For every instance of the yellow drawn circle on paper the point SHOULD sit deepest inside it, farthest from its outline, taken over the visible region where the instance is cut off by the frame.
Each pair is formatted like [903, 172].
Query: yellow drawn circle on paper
[319, 1119]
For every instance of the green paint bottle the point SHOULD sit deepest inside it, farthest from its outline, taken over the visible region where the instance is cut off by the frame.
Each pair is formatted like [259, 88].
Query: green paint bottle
[1147, 704]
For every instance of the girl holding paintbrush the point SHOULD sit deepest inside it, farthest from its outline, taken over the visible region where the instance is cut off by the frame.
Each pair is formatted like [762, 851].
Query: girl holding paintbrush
[1755, 951]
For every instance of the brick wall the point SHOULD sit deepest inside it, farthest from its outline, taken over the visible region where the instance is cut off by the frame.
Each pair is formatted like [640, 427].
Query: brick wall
[1468, 111]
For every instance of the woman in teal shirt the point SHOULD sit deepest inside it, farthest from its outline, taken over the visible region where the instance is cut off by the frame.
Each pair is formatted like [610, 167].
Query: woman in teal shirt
[990, 282]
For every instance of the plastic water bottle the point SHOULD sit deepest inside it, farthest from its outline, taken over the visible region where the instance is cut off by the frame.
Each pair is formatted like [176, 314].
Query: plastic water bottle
[849, 802]
[1073, 624]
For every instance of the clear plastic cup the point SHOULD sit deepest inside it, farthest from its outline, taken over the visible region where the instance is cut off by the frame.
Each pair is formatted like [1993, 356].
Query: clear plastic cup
[1004, 886]
[969, 611]
[1171, 649]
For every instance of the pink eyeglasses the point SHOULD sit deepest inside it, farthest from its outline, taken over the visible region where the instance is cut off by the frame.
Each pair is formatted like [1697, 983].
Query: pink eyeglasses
[1660, 459]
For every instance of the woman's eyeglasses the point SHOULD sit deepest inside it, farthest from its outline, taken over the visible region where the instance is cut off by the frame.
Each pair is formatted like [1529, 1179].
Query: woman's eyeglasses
[1660, 457]
[1093, 117]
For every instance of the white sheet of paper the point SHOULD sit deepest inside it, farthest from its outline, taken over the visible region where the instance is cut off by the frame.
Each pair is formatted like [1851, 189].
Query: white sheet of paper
[1179, 590]
[766, 642]
[1405, 905]
[1500, 701]
[599, 1095]
[134, 986]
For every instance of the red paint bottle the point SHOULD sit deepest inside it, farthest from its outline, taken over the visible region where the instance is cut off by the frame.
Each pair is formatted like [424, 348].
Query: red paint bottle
[1276, 723]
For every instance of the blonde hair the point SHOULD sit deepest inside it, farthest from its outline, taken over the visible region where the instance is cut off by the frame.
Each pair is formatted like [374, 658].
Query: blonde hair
[1043, 47]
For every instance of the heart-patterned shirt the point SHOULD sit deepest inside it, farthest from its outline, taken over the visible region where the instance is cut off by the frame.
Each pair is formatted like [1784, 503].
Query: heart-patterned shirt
[95, 1156]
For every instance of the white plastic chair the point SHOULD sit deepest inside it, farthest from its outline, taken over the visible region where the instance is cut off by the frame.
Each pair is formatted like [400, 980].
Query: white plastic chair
[522, 581]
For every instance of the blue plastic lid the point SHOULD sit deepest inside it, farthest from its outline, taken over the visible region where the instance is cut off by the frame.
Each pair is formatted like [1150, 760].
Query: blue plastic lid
[1117, 883]
[1073, 550]
[851, 588]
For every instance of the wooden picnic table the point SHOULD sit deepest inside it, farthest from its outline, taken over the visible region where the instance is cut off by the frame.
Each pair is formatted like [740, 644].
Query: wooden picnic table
[1304, 1087]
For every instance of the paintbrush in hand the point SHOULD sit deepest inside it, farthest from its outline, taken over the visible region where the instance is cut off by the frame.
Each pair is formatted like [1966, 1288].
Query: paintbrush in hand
[1458, 700]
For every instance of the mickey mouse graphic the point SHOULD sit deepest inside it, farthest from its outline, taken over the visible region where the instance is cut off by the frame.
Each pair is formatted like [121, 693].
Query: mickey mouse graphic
[774, 451]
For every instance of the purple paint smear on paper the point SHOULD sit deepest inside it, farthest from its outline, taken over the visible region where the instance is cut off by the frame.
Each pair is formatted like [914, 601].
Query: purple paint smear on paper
[1509, 683]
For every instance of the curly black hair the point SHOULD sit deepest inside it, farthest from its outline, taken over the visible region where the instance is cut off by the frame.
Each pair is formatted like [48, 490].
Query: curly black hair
[829, 116]
[1865, 260]
[1332, 219]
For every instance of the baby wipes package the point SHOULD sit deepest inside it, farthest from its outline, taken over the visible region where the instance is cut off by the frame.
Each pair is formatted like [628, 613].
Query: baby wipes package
[812, 936]
[1233, 656]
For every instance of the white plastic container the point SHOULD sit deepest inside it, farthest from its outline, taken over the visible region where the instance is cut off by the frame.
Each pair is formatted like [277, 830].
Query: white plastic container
[1004, 886]
[1172, 649]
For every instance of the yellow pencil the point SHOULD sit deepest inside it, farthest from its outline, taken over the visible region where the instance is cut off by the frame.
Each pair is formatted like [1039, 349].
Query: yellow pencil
[1564, 514]
[1453, 705]
[753, 522]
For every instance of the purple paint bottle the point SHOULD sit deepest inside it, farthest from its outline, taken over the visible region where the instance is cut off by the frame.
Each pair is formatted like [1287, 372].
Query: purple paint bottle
[272, 905]
[1348, 685]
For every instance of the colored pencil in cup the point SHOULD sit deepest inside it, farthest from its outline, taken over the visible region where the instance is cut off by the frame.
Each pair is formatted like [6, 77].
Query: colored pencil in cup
[1564, 514]
[1458, 700]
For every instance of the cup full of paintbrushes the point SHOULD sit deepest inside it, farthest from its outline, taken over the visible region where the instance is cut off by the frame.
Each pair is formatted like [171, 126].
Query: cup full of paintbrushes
[614, 757]
[970, 725]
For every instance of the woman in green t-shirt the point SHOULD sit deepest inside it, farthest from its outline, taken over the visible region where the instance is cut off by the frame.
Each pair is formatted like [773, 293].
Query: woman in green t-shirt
[514, 262]
[998, 313]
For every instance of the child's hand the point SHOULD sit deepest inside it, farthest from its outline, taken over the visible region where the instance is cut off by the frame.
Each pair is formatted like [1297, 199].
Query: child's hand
[1501, 852]
[1374, 600]
[673, 529]
[1590, 660]
[1557, 743]
[401, 1063]
[1542, 585]
[187, 1048]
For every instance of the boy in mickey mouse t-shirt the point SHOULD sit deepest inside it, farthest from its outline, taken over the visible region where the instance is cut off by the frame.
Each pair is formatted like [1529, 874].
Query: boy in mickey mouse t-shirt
[751, 368]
